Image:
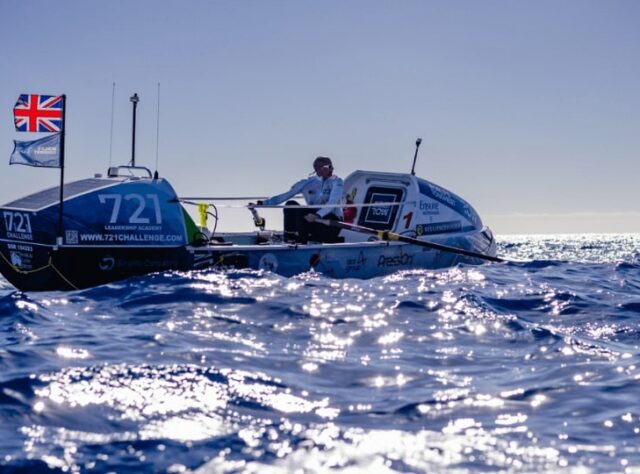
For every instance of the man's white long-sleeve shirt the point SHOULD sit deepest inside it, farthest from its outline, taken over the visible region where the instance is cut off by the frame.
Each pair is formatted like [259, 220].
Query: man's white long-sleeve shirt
[316, 191]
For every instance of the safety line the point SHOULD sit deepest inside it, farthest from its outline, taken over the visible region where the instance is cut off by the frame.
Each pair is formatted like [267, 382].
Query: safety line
[62, 276]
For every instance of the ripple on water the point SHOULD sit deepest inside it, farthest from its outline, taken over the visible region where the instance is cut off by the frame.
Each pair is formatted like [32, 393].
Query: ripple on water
[528, 366]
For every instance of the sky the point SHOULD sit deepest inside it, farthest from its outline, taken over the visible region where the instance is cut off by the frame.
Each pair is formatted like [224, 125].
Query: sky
[528, 110]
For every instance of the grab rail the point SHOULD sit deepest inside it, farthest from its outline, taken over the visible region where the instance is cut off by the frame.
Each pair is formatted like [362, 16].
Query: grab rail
[114, 171]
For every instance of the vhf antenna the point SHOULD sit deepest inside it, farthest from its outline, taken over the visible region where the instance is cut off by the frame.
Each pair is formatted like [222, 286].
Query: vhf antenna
[155, 173]
[113, 98]
[415, 157]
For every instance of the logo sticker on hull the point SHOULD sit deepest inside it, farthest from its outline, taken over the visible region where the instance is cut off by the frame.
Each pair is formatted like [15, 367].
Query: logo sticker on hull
[16, 261]
[400, 260]
[107, 263]
[355, 264]
[268, 262]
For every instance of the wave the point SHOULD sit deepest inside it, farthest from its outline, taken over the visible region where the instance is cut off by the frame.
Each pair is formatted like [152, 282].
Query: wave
[526, 366]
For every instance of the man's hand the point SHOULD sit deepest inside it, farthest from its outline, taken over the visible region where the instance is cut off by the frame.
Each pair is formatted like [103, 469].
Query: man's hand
[311, 217]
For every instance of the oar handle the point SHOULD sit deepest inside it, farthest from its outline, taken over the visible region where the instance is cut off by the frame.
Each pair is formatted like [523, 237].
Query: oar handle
[258, 220]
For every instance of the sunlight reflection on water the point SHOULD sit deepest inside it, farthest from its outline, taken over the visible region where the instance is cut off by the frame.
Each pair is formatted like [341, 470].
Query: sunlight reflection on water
[508, 368]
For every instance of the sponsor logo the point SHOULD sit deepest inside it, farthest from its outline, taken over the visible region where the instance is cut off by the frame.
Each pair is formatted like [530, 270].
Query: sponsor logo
[395, 261]
[355, 264]
[429, 208]
[380, 214]
[16, 261]
[46, 150]
[380, 211]
[107, 263]
[442, 195]
[438, 228]
[21, 256]
[470, 214]
[268, 262]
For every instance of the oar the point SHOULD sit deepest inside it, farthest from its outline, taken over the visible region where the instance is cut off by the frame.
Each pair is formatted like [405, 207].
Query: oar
[387, 235]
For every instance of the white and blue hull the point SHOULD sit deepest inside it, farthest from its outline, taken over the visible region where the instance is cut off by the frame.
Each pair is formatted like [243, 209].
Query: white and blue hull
[346, 260]
[117, 227]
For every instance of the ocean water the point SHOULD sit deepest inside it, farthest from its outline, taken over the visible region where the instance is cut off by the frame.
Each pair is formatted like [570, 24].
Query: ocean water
[531, 366]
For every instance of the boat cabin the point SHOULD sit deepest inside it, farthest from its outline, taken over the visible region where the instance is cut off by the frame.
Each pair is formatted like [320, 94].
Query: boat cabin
[405, 204]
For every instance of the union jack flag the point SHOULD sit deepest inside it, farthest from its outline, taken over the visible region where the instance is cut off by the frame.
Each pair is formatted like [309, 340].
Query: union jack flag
[38, 113]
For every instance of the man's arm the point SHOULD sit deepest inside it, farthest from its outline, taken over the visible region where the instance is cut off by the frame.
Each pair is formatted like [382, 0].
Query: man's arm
[280, 198]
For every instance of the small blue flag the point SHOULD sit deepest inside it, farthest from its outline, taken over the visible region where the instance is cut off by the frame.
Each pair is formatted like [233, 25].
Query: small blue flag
[44, 152]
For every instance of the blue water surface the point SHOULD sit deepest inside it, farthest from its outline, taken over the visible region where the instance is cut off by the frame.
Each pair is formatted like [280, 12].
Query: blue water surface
[527, 366]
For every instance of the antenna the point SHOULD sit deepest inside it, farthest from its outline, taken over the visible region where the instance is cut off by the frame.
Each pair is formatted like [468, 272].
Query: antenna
[415, 157]
[134, 100]
[157, 134]
[113, 97]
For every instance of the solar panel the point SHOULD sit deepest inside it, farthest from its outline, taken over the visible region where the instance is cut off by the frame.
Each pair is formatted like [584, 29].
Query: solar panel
[51, 196]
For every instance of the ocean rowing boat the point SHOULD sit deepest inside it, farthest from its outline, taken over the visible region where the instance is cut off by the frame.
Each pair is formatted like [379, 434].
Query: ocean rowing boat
[123, 225]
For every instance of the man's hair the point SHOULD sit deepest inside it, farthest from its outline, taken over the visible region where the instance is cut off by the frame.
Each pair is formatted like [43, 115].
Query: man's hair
[321, 161]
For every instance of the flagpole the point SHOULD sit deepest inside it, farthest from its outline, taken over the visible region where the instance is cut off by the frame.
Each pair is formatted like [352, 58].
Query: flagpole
[62, 134]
